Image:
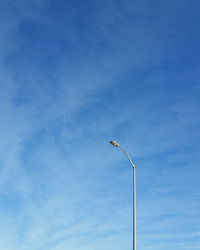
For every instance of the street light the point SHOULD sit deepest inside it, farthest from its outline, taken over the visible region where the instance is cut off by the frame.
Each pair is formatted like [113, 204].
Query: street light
[115, 144]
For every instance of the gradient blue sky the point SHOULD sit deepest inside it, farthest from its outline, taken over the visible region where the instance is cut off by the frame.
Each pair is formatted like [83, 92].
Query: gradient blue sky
[73, 76]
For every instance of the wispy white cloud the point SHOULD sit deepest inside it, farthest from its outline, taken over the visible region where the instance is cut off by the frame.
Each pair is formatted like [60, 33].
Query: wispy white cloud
[69, 83]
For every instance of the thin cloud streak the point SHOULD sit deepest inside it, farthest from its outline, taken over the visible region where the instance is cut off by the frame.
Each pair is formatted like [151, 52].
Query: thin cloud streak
[74, 77]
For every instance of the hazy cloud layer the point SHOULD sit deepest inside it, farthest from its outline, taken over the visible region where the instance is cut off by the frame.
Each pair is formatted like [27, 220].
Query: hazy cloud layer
[73, 76]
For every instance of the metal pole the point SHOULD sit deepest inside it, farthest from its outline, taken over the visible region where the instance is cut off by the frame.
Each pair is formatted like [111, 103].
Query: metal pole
[134, 198]
[134, 211]
[115, 144]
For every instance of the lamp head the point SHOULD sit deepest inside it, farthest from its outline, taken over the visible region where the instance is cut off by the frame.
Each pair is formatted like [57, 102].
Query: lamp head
[114, 143]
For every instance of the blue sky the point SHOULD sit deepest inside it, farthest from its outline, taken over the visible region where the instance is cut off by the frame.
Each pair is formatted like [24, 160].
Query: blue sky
[73, 76]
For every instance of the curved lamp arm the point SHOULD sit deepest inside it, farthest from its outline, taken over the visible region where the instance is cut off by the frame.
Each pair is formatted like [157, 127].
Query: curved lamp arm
[115, 144]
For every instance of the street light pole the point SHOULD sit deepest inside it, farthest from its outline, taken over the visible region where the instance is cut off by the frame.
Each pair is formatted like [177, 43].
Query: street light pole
[115, 144]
